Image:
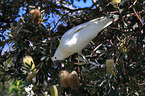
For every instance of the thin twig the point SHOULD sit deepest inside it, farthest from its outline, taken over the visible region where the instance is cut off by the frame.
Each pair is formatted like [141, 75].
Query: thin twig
[137, 16]
[41, 37]
[71, 10]
[57, 22]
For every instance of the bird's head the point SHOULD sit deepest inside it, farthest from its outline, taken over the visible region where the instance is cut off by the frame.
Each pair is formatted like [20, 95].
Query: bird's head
[59, 55]
[57, 58]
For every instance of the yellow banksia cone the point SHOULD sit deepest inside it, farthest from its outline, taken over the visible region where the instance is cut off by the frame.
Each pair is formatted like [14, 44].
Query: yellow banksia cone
[115, 1]
[36, 16]
[28, 60]
[73, 80]
[110, 67]
[63, 78]
[53, 91]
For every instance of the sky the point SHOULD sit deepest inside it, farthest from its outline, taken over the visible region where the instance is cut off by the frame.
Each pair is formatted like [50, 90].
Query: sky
[80, 4]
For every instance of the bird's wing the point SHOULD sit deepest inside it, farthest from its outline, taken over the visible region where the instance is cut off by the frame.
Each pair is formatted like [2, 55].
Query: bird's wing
[84, 25]
[80, 27]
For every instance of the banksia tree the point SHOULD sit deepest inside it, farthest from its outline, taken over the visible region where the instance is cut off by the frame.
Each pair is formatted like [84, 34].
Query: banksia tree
[22, 32]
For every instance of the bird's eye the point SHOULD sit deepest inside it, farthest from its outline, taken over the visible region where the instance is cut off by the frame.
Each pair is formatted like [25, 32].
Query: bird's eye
[55, 57]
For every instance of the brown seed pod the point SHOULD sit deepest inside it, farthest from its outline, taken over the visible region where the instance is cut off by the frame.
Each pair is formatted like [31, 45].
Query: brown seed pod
[63, 78]
[36, 16]
[73, 80]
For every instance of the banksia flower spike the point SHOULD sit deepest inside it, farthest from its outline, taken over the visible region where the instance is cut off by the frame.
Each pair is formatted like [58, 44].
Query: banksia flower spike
[53, 90]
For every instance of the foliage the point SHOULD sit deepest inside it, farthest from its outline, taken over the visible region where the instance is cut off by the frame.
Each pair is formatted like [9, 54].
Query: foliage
[17, 88]
[123, 41]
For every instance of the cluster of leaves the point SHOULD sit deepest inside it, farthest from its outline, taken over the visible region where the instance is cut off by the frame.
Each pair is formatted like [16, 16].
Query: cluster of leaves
[122, 41]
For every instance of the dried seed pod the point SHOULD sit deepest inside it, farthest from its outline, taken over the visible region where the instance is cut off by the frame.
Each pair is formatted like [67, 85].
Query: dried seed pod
[36, 16]
[73, 80]
[63, 78]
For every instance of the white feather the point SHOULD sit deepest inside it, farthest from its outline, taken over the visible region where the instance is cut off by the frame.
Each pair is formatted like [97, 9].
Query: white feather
[78, 37]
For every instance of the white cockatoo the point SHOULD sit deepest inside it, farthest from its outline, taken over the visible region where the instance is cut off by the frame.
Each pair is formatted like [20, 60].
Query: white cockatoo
[78, 37]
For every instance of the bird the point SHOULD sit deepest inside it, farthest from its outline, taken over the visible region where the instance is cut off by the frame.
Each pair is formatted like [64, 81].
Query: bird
[78, 37]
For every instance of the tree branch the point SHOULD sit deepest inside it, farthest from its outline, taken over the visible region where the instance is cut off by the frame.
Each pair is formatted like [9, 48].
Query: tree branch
[71, 10]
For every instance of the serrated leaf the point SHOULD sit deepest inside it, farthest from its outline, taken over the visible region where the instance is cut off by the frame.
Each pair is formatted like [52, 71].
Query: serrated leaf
[18, 24]
[13, 28]
[28, 31]
[44, 53]
[44, 57]
[81, 63]
[79, 58]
